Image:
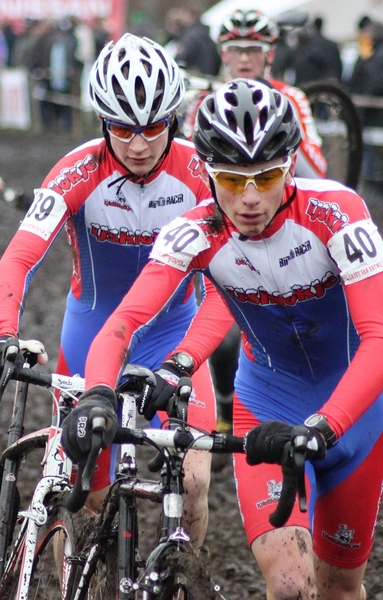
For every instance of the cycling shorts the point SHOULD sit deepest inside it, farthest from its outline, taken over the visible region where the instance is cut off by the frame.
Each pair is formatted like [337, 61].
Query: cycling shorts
[343, 504]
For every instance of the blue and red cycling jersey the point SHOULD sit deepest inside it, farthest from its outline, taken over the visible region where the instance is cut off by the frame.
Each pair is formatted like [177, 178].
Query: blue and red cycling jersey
[306, 294]
[111, 224]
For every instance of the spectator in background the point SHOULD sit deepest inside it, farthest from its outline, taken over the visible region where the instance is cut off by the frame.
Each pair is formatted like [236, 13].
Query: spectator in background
[3, 48]
[367, 80]
[355, 57]
[174, 25]
[197, 52]
[282, 67]
[57, 73]
[364, 37]
[101, 34]
[315, 56]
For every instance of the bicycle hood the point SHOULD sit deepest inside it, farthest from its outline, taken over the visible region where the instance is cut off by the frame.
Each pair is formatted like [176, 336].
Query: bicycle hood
[248, 24]
[245, 122]
[135, 81]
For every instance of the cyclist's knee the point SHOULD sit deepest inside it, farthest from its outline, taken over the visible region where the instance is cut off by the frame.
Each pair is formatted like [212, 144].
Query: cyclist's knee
[289, 574]
[197, 474]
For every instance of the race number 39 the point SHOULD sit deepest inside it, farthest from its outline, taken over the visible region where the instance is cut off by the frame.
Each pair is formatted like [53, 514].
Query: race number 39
[358, 251]
[44, 214]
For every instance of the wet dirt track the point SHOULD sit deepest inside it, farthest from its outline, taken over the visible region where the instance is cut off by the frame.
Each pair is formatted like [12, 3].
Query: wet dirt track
[24, 161]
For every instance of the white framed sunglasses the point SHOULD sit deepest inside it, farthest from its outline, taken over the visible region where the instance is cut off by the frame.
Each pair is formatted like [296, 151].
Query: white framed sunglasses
[237, 182]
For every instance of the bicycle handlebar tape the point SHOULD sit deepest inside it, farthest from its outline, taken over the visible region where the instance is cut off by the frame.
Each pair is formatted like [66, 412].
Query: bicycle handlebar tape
[287, 498]
[225, 443]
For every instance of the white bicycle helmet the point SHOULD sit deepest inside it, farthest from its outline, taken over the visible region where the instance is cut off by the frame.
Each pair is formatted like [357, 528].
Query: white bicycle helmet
[245, 122]
[250, 25]
[134, 81]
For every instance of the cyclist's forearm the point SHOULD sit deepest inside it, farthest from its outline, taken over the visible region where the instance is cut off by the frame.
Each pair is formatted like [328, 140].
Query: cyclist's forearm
[363, 381]
[145, 300]
[209, 327]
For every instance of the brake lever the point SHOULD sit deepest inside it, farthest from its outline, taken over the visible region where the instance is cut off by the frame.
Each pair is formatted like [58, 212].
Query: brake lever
[10, 353]
[299, 449]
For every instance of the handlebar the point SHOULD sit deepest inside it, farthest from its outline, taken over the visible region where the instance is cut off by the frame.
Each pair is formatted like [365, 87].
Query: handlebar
[293, 483]
[293, 464]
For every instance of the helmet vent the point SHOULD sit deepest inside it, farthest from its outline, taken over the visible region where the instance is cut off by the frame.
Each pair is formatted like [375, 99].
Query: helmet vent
[248, 128]
[140, 93]
[263, 117]
[158, 96]
[210, 105]
[121, 54]
[121, 98]
[231, 120]
[275, 143]
[288, 116]
[125, 70]
[231, 99]
[203, 123]
[257, 97]
[225, 148]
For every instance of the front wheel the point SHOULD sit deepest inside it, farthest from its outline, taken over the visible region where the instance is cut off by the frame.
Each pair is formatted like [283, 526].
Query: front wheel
[186, 578]
[56, 540]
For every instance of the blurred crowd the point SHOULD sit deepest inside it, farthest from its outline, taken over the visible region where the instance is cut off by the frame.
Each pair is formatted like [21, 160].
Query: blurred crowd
[58, 54]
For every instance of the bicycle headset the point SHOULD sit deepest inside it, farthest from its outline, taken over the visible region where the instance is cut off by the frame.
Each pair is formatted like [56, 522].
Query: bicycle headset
[135, 82]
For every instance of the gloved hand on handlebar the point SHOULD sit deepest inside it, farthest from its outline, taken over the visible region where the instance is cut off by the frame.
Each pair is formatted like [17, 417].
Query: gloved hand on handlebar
[270, 442]
[99, 401]
[32, 346]
[157, 398]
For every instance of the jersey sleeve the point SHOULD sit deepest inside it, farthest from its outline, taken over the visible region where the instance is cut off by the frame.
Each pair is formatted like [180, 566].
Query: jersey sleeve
[362, 383]
[25, 253]
[140, 307]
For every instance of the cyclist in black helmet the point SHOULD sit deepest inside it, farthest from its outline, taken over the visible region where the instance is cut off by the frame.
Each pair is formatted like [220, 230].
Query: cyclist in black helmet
[247, 39]
[300, 265]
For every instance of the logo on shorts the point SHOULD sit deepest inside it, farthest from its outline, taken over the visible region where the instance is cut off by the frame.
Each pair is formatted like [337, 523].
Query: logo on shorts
[274, 491]
[343, 537]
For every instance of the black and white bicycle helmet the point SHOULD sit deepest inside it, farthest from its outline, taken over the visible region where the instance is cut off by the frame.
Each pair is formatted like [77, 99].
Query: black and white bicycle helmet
[248, 24]
[135, 81]
[245, 122]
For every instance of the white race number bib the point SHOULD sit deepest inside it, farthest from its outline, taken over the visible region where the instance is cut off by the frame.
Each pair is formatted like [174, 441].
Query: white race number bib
[358, 251]
[44, 214]
[178, 243]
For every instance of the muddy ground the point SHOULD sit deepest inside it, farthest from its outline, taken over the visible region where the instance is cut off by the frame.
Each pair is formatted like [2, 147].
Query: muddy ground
[24, 161]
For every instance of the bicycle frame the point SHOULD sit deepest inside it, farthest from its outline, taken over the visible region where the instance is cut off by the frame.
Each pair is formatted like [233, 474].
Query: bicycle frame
[57, 470]
[134, 574]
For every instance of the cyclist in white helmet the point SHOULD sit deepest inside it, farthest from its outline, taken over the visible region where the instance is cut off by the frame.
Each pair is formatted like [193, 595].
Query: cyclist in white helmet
[113, 195]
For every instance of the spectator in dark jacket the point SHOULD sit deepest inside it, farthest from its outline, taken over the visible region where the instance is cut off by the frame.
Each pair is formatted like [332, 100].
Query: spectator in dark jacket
[197, 52]
[367, 80]
[316, 57]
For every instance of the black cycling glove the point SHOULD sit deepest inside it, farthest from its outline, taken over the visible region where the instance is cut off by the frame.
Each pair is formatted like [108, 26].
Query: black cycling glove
[99, 401]
[157, 398]
[267, 442]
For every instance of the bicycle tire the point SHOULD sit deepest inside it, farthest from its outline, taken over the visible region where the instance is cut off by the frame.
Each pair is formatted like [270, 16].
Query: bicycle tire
[337, 122]
[186, 577]
[94, 558]
[45, 582]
